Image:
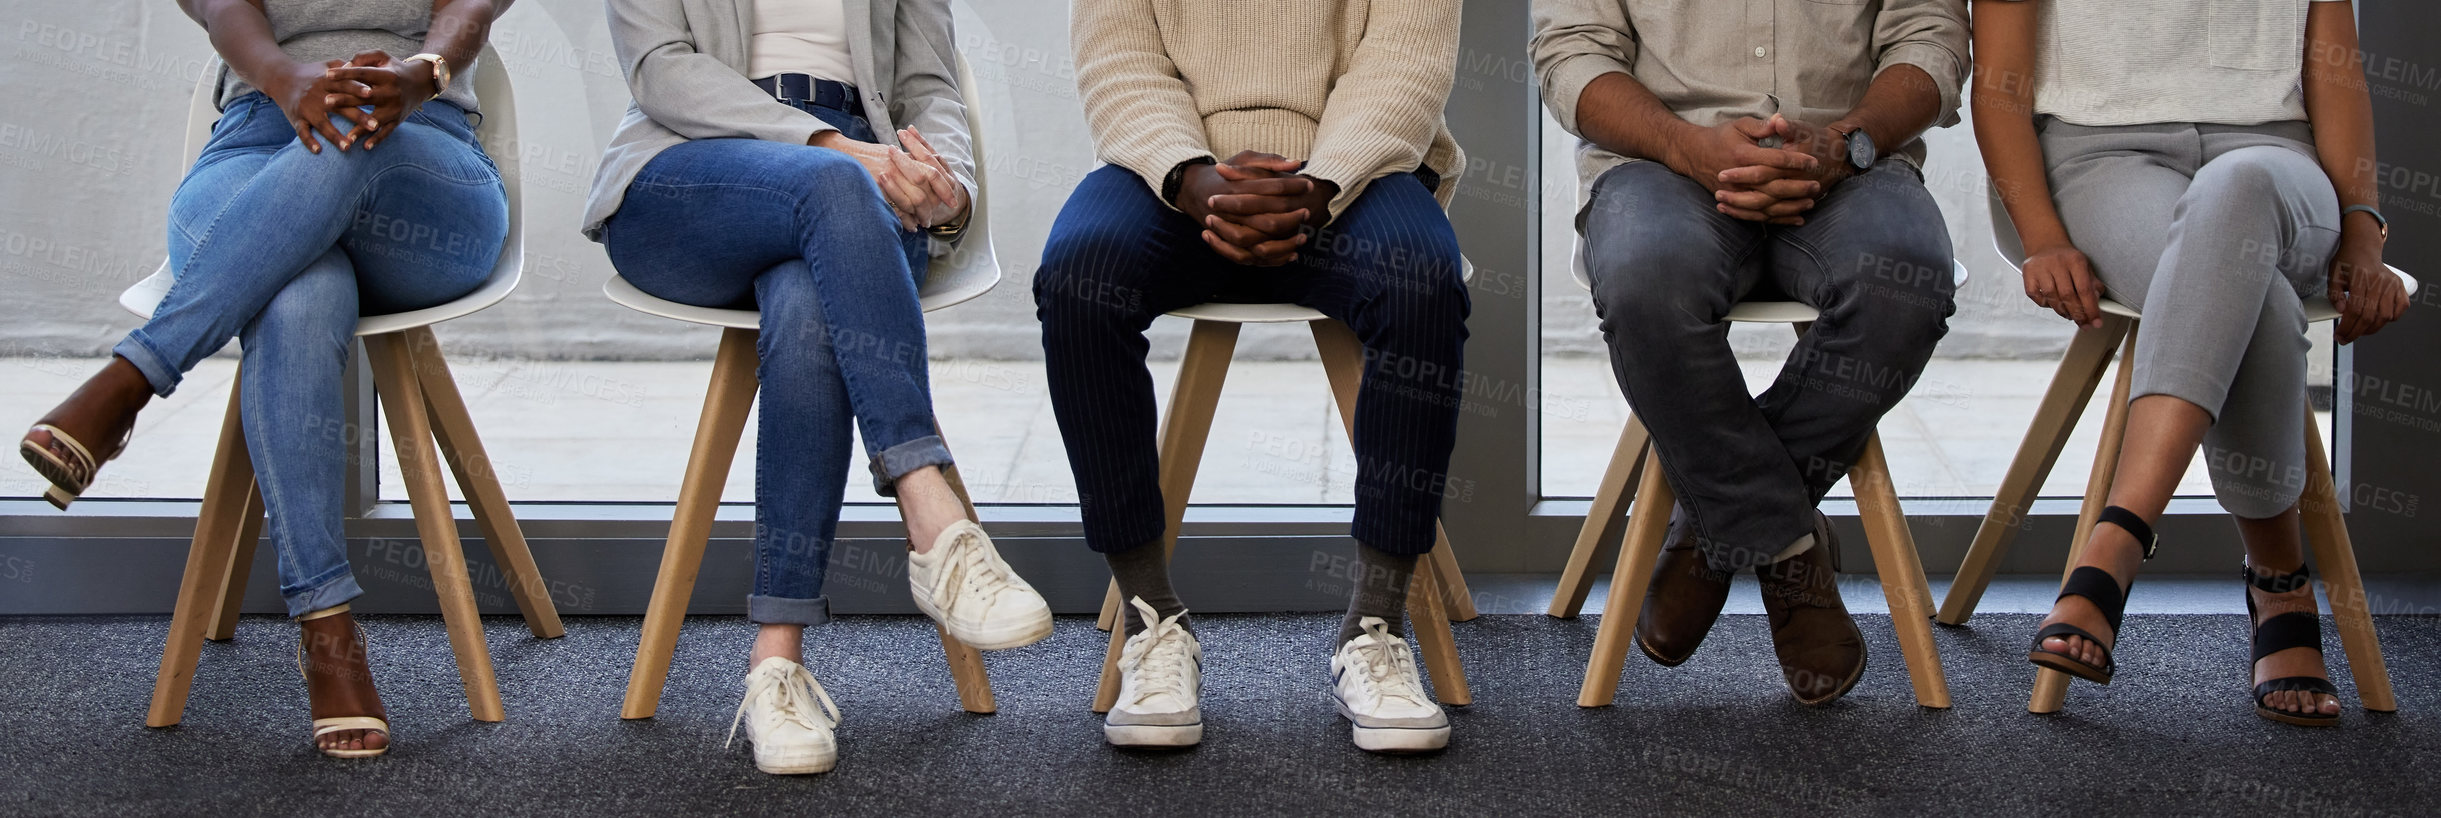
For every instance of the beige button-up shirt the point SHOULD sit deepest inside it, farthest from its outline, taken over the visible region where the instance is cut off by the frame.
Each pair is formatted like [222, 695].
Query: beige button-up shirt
[1712, 61]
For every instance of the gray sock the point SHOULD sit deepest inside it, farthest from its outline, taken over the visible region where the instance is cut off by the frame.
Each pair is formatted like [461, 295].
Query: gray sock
[1380, 579]
[1144, 572]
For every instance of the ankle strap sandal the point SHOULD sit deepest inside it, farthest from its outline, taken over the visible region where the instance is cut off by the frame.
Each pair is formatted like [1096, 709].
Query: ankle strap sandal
[2295, 629]
[2102, 589]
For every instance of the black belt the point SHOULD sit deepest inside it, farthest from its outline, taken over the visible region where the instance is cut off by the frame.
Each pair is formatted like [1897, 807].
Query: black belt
[804, 88]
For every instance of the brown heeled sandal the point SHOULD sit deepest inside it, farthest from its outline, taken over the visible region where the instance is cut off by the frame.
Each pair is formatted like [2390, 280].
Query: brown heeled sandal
[67, 463]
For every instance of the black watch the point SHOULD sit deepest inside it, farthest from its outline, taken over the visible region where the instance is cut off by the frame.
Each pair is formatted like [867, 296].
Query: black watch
[1862, 153]
[1177, 177]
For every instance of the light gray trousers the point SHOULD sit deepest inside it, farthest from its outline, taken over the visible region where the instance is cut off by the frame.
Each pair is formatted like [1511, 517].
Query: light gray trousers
[2217, 234]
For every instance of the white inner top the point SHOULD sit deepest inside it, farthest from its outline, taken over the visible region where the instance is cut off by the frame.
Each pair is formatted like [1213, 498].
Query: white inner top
[2138, 62]
[800, 37]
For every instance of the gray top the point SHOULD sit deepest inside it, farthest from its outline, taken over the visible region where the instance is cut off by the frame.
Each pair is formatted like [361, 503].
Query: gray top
[324, 30]
[686, 61]
[2226, 62]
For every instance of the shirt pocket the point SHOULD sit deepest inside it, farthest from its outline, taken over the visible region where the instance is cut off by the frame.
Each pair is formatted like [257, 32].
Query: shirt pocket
[2257, 35]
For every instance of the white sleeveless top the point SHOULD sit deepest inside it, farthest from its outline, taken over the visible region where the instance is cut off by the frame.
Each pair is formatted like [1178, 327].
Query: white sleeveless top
[800, 37]
[2140, 62]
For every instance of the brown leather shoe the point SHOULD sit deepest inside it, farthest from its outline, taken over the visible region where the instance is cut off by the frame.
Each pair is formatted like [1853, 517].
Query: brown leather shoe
[1822, 654]
[1683, 600]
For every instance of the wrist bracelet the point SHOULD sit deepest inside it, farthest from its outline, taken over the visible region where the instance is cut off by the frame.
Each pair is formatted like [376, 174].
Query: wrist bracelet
[2378, 219]
[1178, 177]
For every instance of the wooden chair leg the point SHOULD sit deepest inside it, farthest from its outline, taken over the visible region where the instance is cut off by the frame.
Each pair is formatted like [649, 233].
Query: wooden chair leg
[1343, 363]
[2072, 385]
[1604, 520]
[1184, 430]
[1628, 582]
[2051, 686]
[1110, 608]
[965, 664]
[232, 594]
[1902, 573]
[1459, 601]
[1432, 636]
[2327, 533]
[208, 564]
[411, 434]
[727, 400]
[479, 480]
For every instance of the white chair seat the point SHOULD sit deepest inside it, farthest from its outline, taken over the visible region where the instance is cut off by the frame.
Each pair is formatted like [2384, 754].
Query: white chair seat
[1756, 312]
[1276, 313]
[499, 127]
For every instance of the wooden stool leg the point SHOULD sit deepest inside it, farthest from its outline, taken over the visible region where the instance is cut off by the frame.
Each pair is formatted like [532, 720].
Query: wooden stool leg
[965, 664]
[1110, 608]
[1184, 430]
[2072, 385]
[232, 595]
[2051, 686]
[1604, 520]
[1460, 602]
[2327, 533]
[1343, 363]
[479, 480]
[717, 431]
[411, 434]
[208, 566]
[1432, 636]
[1902, 574]
[1628, 582]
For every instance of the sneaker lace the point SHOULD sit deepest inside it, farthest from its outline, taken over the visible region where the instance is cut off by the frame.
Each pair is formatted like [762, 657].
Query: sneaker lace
[1389, 666]
[798, 693]
[972, 565]
[1158, 656]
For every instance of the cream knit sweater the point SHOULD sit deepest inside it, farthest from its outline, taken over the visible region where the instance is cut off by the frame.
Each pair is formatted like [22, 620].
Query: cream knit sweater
[1354, 87]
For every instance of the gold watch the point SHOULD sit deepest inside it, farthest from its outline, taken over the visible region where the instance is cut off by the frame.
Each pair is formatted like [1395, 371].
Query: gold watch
[440, 71]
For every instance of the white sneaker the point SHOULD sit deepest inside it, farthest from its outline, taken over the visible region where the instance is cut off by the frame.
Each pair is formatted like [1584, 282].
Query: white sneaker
[1374, 682]
[789, 719]
[965, 587]
[1161, 674]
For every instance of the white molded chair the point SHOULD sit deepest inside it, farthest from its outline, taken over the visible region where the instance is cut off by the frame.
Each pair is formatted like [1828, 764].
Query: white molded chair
[2089, 355]
[424, 406]
[1437, 594]
[951, 280]
[1634, 477]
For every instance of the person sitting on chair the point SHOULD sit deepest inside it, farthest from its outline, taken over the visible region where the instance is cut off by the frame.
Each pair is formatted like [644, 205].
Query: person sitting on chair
[1238, 172]
[1721, 163]
[281, 236]
[2214, 183]
[758, 168]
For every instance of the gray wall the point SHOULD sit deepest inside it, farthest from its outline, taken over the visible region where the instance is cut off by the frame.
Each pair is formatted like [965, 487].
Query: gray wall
[93, 98]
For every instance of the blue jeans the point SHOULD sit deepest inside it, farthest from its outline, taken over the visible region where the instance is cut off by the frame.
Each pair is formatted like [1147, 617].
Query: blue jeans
[803, 234]
[283, 249]
[1389, 267]
[1873, 256]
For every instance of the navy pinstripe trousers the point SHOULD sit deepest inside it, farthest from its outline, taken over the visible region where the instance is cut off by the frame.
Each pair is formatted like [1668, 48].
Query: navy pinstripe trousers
[1388, 267]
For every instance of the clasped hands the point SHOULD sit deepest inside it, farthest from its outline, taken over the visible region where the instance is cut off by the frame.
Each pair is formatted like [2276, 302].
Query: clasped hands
[915, 181]
[1254, 208]
[372, 90]
[1757, 182]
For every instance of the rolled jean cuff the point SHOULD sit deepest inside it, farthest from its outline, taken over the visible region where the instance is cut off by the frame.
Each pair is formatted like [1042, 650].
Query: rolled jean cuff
[328, 593]
[895, 462]
[779, 610]
[163, 377]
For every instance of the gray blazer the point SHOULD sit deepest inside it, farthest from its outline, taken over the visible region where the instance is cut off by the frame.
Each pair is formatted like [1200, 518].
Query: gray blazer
[686, 61]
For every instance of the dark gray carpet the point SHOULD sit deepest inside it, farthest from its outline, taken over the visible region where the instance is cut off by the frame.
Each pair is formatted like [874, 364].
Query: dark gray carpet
[1715, 736]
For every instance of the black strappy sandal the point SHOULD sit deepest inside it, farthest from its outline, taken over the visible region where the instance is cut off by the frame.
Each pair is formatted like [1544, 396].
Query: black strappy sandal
[2295, 629]
[2102, 589]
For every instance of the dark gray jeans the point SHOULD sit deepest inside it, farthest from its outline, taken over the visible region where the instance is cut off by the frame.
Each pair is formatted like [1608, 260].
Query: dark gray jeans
[1873, 256]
